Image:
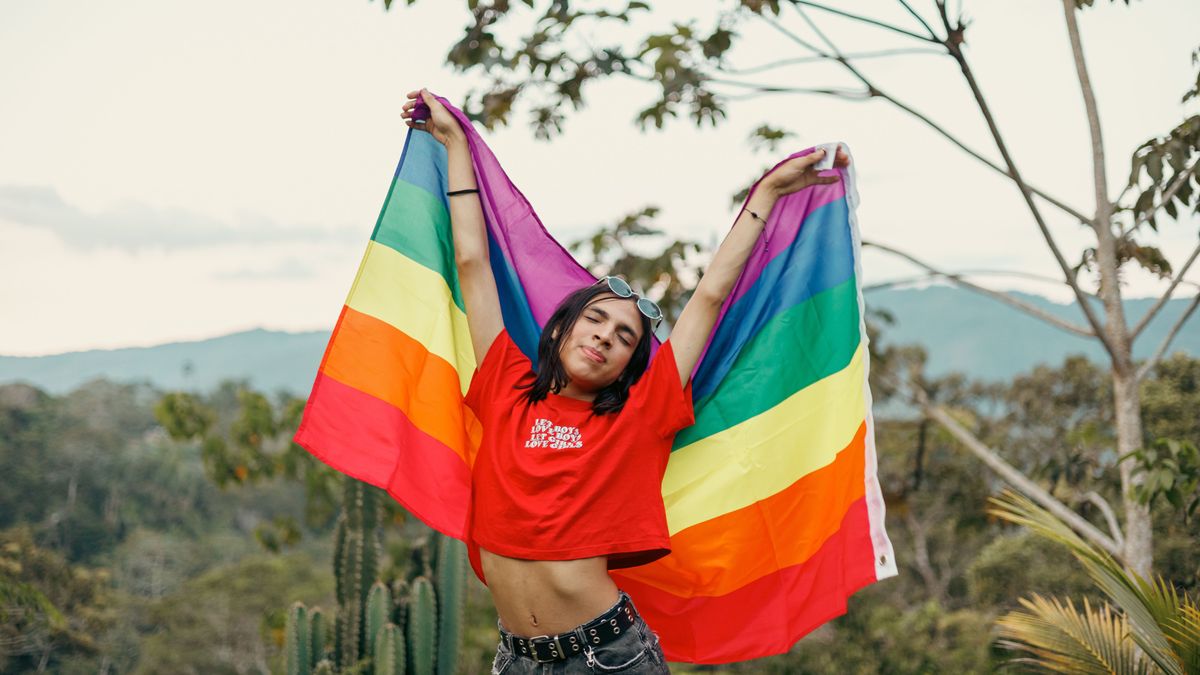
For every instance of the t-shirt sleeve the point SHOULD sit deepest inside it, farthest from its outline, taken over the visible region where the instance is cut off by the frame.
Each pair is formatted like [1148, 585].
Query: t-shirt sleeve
[503, 366]
[658, 396]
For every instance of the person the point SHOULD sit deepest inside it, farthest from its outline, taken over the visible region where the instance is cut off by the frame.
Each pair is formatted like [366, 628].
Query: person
[567, 481]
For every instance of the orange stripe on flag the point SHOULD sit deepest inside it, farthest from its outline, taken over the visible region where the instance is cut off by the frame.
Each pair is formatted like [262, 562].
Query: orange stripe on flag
[723, 554]
[768, 615]
[377, 359]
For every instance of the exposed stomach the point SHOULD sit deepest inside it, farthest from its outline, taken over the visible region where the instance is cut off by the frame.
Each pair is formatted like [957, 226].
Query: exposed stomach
[544, 597]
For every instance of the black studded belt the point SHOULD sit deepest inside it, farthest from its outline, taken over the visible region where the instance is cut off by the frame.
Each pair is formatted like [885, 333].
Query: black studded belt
[549, 648]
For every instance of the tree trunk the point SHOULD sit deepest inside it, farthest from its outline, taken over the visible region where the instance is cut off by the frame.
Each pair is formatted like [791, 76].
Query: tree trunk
[1138, 552]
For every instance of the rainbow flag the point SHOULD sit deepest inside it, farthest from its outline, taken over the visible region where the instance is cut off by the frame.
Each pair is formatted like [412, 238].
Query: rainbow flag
[772, 500]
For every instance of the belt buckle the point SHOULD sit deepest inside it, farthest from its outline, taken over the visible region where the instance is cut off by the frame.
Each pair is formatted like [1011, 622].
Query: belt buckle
[533, 648]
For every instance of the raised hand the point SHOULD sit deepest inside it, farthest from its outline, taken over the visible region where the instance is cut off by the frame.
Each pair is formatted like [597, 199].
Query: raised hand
[441, 123]
[799, 172]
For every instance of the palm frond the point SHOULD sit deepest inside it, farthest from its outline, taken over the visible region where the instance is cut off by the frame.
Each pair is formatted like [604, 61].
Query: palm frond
[1066, 640]
[1148, 608]
[1184, 634]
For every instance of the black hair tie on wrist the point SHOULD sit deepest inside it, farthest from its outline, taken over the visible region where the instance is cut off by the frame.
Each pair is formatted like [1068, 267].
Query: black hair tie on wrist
[755, 215]
[461, 192]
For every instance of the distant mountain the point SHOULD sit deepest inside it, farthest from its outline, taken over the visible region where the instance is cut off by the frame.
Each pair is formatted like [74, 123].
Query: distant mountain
[967, 332]
[962, 331]
[270, 360]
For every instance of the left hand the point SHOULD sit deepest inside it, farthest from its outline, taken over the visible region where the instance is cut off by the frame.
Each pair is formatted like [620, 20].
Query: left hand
[798, 173]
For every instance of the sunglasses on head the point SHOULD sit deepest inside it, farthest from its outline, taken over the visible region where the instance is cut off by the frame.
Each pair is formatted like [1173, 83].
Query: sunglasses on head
[621, 288]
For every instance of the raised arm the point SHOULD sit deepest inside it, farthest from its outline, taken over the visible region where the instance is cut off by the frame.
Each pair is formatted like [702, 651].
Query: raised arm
[696, 322]
[484, 319]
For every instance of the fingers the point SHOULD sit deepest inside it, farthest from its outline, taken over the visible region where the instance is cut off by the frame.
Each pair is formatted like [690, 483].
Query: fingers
[806, 161]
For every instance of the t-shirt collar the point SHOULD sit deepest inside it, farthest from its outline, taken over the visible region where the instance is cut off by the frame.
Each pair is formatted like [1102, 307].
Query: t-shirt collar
[567, 403]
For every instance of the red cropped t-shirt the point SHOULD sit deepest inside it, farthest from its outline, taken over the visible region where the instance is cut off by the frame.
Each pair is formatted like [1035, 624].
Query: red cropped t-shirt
[553, 481]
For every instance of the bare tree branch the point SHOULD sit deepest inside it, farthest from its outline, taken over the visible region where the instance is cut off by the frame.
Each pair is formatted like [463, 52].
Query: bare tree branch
[767, 88]
[813, 59]
[1026, 192]
[763, 90]
[1162, 347]
[1113, 528]
[1165, 296]
[934, 583]
[921, 20]
[876, 91]
[1014, 477]
[1177, 183]
[1029, 309]
[967, 273]
[1099, 174]
[867, 20]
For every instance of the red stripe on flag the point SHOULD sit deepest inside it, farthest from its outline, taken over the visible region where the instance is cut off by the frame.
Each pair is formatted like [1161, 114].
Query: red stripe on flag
[371, 440]
[767, 616]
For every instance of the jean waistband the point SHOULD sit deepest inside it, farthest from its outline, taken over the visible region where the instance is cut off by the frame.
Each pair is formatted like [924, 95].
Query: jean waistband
[594, 632]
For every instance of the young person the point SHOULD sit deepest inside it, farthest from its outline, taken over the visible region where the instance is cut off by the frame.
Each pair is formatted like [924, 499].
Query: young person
[567, 482]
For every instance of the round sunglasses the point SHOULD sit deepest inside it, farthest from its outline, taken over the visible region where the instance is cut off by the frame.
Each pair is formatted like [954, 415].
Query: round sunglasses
[621, 288]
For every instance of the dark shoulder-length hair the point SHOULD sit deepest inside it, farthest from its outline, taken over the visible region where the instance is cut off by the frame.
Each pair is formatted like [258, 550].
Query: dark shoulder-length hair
[552, 377]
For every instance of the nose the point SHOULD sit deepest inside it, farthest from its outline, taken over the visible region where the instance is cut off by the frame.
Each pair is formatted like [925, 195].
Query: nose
[604, 331]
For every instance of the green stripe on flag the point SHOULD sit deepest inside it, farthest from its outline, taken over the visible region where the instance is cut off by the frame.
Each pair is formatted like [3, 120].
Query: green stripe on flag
[798, 347]
[416, 223]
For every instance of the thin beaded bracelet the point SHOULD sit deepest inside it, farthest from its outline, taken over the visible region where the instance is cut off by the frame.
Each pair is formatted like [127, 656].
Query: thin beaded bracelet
[461, 192]
[755, 215]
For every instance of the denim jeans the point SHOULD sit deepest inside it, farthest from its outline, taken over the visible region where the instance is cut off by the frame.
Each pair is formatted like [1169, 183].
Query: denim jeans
[635, 652]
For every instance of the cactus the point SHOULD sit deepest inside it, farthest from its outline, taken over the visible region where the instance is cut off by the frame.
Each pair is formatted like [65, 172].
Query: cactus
[379, 609]
[422, 627]
[296, 640]
[451, 601]
[389, 656]
[407, 626]
[399, 602]
[317, 641]
[356, 565]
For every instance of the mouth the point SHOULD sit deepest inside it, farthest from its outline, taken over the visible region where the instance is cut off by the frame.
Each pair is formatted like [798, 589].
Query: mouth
[593, 354]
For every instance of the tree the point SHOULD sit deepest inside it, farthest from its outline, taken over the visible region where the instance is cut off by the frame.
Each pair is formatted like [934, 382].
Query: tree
[691, 69]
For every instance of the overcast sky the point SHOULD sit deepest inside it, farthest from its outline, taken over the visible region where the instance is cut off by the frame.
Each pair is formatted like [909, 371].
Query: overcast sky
[174, 171]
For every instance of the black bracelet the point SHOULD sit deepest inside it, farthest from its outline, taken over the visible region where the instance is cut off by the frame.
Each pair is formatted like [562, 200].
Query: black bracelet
[754, 214]
[462, 192]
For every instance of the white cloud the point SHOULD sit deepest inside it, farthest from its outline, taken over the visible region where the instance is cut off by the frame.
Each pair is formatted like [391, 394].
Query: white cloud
[133, 226]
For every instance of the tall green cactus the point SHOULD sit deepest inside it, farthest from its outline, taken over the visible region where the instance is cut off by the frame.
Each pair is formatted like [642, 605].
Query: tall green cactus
[296, 640]
[408, 626]
[356, 564]
[451, 602]
[389, 657]
[317, 640]
[422, 626]
[379, 610]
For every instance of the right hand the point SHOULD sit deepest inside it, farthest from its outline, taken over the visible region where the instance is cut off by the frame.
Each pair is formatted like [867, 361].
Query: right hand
[442, 124]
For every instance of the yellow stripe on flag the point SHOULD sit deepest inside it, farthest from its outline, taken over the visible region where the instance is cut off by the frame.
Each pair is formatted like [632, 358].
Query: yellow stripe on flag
[765, 454]
[415, 300]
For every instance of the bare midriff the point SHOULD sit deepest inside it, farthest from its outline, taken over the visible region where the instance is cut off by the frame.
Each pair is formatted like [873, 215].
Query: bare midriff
[545, 597]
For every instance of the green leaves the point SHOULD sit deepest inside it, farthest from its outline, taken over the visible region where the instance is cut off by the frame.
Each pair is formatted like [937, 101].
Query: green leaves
[617, 250]
[768, 137]
[550, 67]
[1169, 162]
[1170, 469]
